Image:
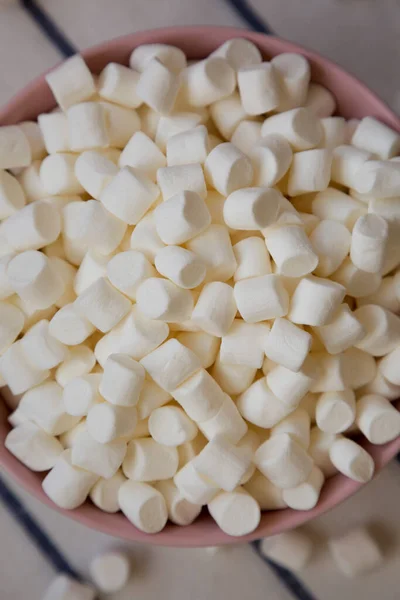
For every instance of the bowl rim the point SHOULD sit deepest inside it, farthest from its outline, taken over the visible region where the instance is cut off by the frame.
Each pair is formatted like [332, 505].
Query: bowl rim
[203, 532]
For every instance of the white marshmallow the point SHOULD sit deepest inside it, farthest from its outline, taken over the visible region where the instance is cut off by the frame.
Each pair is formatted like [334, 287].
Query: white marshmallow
[297, 424]
[320, 100]
[181, 217]
[69, 327]
[332, 204]
[158, 86]
[376, 137]
[252, 258]
[107, 422]
[102, 459]
[57, 174]
[200, 396]
[87, 127]
[335, 411]
[368, 243]
[147, 460]
[385, 295]
[180, 510]
[80, 394]
[92, 267]
[334, 132]
[121, 123]
[208, 80]
[161, 299]
[193, 486]
[268, 496]
[214, 247]
[170, 56]
[251, 208]
[183, 267]
[80, 361]
[188, 147]
[294, 72]
[143, 505]
[299, 126]
[315, 301]
[145, 237]
[118, 84]
[15, 150]
[44, 406]
[67, 273]
[249, 443]
[135, 335]
[34, 226]
[104, 493]
[258, 405]
[30, 181]
[381, 386]
[102, 305]
[6, 290]
[176, 123]
[389, 366]
[235, 512]
[320, 444]
[382, 329]
[342, 332]
[122, 380]
[215, 309]
[54, 129]
[65, 588]
[35, 448]
[227, 114]
[222, 462]
[41, 349]
[11, 324]
[388, 208]
[287, 344]
[227, 169]
[291, 250]
[142, 154]
[127, 270]
[271, 158]
[35, 139]
[378, 420]
[71, 82]
[151, 397]
[310, 171]
[149, 120]
[305, 496]
[170, 426]
[203, 344]
[259, 88]
[283, 461]
[171, 364]
[180, 180]
[246, 136]
[129, 195]
[355, 552]
[12, 196]
[233, 379]
[331, 242]
[289, 386]
[359, 368]
[227, 422]
[239, 53]
[110, 571]
[358, 283]
[346, 163]
[332, 375]
[243, 344]
[352, 460]
[261, 298]
[291, 549]
[94, 172]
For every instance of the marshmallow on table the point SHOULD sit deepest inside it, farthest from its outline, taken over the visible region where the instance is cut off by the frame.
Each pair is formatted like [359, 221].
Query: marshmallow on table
[222, 462]
[299, 126]
[147, 460]
[389, 366]
[142, 154]
[81, 393]
[297, 424]
[15, 150]
[54, 129]
[121, 124]
[235, 512]
[291, 549]
[80, 361]
[35, 139]
[358, 283]
[294, 74]
[183, 267]
[368, 243]
[170, 364]
[309, 171]
[331, 241]
[319, 448]
[214, 247]
[215, 309]
[143, 505]
[385, 295]
[208, 80]
[247, 135]
[383, 387]
[200, 396]
[259, 88]
[244, 344]
[158, 86]
[71, 82]
[170, 426]
[283, 461]
[64, 587]
[151, 397]
[12, 196]
[161, 299]
[377, 419]
[102, 305]
[289, 386]
[261, 298]
[122, 380]
[170, 56]
[107, 422]
[342, 332]
[271, 158]
[315, 301]
[127, 270]
[351, 460]
[346, 163]
[376, 137]
[11, 324]
[227, 169]
[334, 132]
[110, 571]
[355, 552]
[69, 327]
[227, 422]
[287, 344]
[382, 329]
[103, 460]
[227, 114]
[30, 181]
[180, 510]
[87, 127]
[129, 195]
[251, 208]
[118, 83]
[57, 174]
[41, 349]
[305, 496]
[291, 250]
[320, 100]
[35, 448]
[239, 53]
[332, 204]
[336, 411]
[258, 405]
[178, 122]
[94, 172]
[66, 484]
[252, 258]
[104, 493]
[44, 406]
[33, 227]
[204, 345]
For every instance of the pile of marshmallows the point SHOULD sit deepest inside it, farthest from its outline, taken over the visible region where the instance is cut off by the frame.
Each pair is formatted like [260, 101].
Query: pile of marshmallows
[193, 321]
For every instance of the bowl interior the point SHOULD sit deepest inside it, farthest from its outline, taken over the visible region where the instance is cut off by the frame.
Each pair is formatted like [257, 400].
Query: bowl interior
[354, 99]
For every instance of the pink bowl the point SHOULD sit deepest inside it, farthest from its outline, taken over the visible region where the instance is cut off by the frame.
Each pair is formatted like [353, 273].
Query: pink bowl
[354, 99]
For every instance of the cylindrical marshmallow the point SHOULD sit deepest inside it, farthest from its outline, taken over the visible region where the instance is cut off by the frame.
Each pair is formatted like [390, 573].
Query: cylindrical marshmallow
[252, 258]
[170, 56]
[356, 552]
[271, 158]
[161, 299]
[71, 82]
[358, 283]
[310, 171]
[376, 137]
[235, 512]
[147, 460]
[208, 80]
[35, 448]
[386, 295]
[122, 123]
[42, 350]
[305, 496]
[200, 396]
[87, 127]
[377, 419]
[227, 169]
[297, 425]
[233, 379]
[368, 243]
[143, 505]
[80, 361]
[352, 460]
[315, 301]
[171, 364]
[239, 53]
[336, 411]
[258, 405]
[158, 86]
[54, 129]
[389, 366]
[30, 181]
[346, 163]
[107, 422]
[150, 398]
[178, 122]
[110, 571]
[15, 150]
[334, 132]
[261, 298]
[227, 422]
[251, 208]
[104, 493]
[81, 393]
[170, 426]
[143, 154]
[320, 444]
[203, 344]
[335, 205]
[193, 486]
[342, 332]
[182, 267]
[331, 242]
[69, 327]
[291, 250]
[284, 461]
[287, 344]
[118, 84]
[246, 136]
[268, 496]
[214, 247]
[244, 344]
[382, 329]
[127, 270]
[291, 549]
[358, 368]
[215, 309]
[379, 179]
[12, 196]
[294, 75]
[222, 462]
[188, 147]
[33, 227]
[44, 406]
[181, 217]
[320, 100]
[102, 459]
[92, 267]
[259, 88]
[94, 172]
[180, 510]
[289, 386]
[11, 324]
[383, 387]
[299, 126]
[122, 380]
[227, 114]
[102, 305]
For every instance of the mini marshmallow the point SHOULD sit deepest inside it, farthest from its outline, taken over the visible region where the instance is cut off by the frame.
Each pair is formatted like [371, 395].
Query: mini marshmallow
[135, 335]
[356, 552]
[268, 496]
[200, 396]
[271, 159]
[80, 394]
[67, 273]
[261, 298]
[181, 217]
[252, 259]
[283, 461]
[44, 406]
[129, 195]
[158, 86]
[249, 443]
[35, 448]
[376, 137]
[149, 120]
[102, 305]
[259, 88]
[94, 172]
[121, 123]
[214, 247]
[251, 208]
[15, 150]
[389, 366]
[64, 587]
[143, 505]
[235, 512]
[118, 84]
[54, 129]
[385, 295]
[71, 82]
[193, 486]
[368, 243]
[104, 493]
[209, 80]
[222, 462]
[291, 549]
[358, 283]
[188, 147]
[170, 426]
[320, 100]
[172, 125]
[310, 171]
[34, 226]
[382, 329]
[80, 361]
[30, 181]
[122, 380]
[183, 267]
[346, 164]
[342, 332]
[334, 132]
[31, 314]
[143, 154]
[306, 495]
[127, 270]
[294, 74]
[87, 126]
[161, 299]
[170, 56]
[320, 444]
[103, 460]
[110, 571]
[42, 350]
[381, 386]
[147, 460]
[170, 364]
[315, 301]
[336, 411]
[227, 422]
[352, 460]
[57, 174]
[299, 126]
[227, 169]
[332, 374]
[377, 419]
[258, 405]
[203, 344]
[359, 368]
[287, 344]
[11, 324]
[180, 511]
[297, 424]
[289, 386]
[12, 197]
[227, 114]
[151, 397]
[69, 327]
[239, 53]
[291, 251]
[106, 422]
[35, 139]
[331, 242]
[332, 204]
[247, 135]
[215, 309]
[181, 179]
[6, 290]
[243, 344]
[145, 238]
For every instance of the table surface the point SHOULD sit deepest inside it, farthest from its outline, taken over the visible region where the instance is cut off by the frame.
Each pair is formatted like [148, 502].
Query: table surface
[360, 35]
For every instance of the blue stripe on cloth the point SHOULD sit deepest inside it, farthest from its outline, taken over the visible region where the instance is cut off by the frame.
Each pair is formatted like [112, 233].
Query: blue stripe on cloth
[249, 15]
[289, 580]
[49, 28]
[34, 531]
